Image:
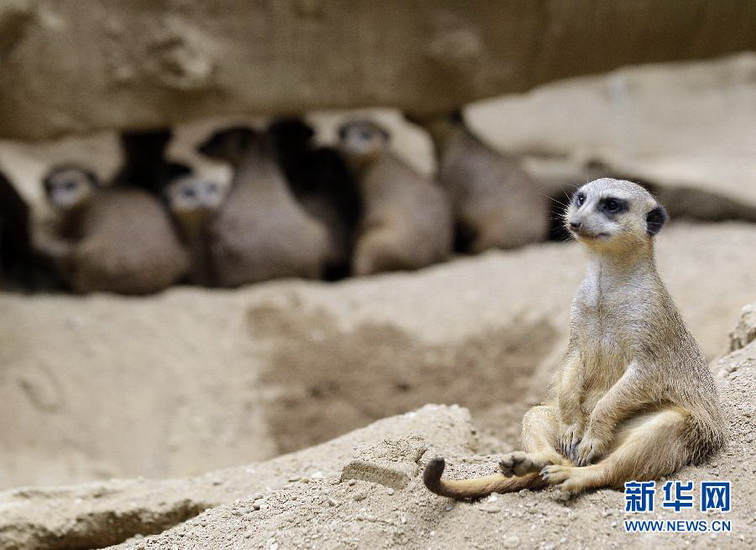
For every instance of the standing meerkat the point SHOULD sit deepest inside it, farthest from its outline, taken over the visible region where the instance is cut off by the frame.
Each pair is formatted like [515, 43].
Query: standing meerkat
[112, 239]
[144, 163]
[406, 222]
[496, 204]
[192, 200]
[320, 180]
[634, 398]
[260, 232]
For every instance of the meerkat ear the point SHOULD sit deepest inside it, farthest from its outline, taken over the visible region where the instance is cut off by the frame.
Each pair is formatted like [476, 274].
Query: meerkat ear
[655, 220]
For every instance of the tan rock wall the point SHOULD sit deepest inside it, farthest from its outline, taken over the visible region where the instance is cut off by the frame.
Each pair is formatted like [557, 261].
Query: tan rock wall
[71, 66]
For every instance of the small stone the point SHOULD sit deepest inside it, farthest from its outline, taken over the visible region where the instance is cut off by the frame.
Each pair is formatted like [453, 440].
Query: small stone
[333, 502]
[391, 474]
[389, 491]
[511, 542]
[362, 495]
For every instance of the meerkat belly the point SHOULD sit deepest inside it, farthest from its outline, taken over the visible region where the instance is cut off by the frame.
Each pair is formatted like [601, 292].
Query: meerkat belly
[604, 366]
[606, 348]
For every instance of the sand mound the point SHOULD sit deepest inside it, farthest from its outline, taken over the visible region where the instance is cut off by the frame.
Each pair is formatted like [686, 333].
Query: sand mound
[363, 490]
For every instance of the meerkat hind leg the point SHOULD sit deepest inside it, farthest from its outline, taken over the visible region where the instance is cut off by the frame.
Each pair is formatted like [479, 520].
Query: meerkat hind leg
[540, 427]
[647, 447]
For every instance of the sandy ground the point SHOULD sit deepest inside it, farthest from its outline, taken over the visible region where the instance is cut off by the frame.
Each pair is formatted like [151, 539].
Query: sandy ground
[190, 381]
[363, 490]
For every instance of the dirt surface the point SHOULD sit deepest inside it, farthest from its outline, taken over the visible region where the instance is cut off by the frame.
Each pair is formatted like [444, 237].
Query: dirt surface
[364, 490]
[193, 380]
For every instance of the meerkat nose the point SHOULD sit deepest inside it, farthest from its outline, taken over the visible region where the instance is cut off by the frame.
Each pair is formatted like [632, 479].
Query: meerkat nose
[575, 224]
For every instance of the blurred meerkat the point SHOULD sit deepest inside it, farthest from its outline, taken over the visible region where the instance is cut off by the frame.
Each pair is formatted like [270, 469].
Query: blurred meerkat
[321, 182]
[496, 203]
[192, 200]
[634, 398]
[260, 232]
[144, 163]
[16, 257]
[407, 221]
[113, 239]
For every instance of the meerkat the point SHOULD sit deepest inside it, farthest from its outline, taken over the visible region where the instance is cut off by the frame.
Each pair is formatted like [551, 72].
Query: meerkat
[634, 398]
[321, 182]
[260, 232]
[496, 204]
[407, 221]
[145, 165]
[192, 200]
[16, 257]
[113, 239]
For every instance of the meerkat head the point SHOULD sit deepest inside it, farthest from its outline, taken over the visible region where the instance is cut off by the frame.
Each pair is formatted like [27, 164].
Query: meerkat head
[362, 140]
[194, 193]
[230, 145]
[145, 145]
[608, 214]
[69, 186]
[291, 133]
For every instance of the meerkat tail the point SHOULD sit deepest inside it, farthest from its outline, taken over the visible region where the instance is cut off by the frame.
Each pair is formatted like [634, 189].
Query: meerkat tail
[476, 487]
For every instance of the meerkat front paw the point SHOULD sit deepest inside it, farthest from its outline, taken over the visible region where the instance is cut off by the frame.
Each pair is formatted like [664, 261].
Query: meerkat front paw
[589, 449]
[569, 439]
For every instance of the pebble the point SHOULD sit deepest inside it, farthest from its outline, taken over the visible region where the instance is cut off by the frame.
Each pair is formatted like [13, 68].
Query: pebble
[511, 542]
[389, 491]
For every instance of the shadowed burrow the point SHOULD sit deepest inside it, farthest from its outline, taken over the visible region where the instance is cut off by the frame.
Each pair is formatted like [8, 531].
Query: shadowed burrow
[322, 381]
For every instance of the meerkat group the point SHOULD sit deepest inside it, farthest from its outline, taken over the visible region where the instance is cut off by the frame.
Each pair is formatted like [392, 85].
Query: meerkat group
[633, 398]
[292, 209]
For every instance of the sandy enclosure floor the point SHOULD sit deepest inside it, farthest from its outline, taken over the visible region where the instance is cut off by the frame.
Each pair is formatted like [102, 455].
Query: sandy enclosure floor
[193, 380]
[363, 490]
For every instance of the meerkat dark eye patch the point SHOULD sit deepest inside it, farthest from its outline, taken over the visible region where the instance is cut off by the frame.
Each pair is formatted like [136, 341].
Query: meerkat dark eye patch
[655, 220]
[610, 205]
